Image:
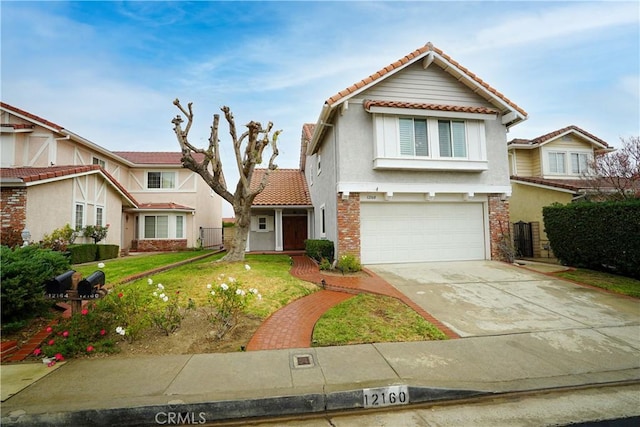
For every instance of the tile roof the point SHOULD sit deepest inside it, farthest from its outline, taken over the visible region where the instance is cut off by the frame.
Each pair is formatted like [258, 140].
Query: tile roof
[574, 185]
[31, 116]
[286, 187]
[410, 58]
[155, 157]
[33, 174]
[434, 107]
[555, 133]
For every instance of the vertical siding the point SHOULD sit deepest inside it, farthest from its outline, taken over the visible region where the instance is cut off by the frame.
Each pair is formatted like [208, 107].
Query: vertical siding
[536, 166]
[524, 162]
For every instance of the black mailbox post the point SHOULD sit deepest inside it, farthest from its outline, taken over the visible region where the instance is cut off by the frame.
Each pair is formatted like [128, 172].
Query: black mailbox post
[71, 287]
[59, 285]
[89, 286]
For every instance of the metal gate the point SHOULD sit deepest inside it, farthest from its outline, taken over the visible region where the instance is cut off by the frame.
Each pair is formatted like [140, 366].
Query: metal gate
[210, 237]
[522, 239]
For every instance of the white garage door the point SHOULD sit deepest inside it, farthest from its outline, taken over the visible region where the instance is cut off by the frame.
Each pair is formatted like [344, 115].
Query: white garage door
[414, 232]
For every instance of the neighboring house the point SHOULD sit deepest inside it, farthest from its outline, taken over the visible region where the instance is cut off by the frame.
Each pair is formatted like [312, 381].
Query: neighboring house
[551, 168]
[51, 177]
[410, 164]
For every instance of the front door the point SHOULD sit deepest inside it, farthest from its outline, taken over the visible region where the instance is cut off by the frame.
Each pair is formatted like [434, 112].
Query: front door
[294, 230]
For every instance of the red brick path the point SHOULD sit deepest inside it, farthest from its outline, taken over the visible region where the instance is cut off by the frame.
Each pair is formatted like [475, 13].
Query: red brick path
[292, 326]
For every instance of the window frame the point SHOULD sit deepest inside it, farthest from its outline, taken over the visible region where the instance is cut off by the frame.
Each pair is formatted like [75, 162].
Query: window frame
[161, 181]
[155, 227]
[451, 139]
[581, 168]
[554, 163]
[99, 215]
[82, 223]
[413, 143]
[98, 161]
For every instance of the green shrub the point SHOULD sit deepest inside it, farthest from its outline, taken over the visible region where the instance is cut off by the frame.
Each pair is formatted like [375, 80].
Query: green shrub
[24, 271]
[107, 252]
[319, 249]
[79, 254]
[325, 264]
[59, 238]
[600, 236]
[349, 264]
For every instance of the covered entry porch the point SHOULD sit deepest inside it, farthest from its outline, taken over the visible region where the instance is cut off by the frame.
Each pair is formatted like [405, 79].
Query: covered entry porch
[280, 229]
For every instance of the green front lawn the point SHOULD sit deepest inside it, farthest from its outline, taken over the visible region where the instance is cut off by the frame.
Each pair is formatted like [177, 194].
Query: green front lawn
[369, 318]
[117, 269]
[619, 284]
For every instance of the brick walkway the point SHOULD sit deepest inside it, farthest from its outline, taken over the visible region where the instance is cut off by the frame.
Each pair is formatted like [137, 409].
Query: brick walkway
[292, 325]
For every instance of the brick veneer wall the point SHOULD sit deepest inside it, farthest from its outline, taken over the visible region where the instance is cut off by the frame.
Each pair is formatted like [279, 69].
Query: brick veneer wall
[161, 245]
[498, 223]
[349, 225]
[13, 203]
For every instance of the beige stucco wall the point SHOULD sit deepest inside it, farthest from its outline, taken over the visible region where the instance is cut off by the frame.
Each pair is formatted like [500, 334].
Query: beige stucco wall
[527, 201]
[49, 206]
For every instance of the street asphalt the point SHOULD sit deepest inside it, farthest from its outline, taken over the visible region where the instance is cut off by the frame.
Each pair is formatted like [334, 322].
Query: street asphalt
[521, 331]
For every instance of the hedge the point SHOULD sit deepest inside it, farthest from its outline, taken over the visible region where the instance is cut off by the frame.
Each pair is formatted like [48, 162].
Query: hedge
[79, 254]
[599, 236]
[24, 271]
[319, 249]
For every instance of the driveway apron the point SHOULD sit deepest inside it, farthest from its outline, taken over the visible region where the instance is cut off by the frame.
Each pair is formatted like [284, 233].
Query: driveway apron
[484, 298]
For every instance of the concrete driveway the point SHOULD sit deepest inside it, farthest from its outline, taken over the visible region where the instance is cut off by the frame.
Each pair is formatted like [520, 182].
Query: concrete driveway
[484, 298]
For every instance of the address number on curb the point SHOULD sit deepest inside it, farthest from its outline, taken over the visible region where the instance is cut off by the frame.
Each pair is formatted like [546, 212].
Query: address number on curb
[386, 396]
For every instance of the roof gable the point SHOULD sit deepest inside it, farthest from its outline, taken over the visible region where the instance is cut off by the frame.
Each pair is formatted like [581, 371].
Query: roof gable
[34, 176]
[30, 117]
[429, 54]
[424, 57]
[557, 134]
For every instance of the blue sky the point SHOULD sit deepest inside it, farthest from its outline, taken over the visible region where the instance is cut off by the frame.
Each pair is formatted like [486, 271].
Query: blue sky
[109, 71]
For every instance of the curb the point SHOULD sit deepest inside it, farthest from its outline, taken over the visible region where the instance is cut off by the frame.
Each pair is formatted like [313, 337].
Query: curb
[178, 412]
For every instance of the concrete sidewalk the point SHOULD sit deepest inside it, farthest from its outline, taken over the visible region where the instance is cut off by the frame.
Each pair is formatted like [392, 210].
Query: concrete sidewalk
[202, 388]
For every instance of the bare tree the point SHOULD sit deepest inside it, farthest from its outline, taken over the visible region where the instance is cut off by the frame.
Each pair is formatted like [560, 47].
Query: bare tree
[617, 174]
[255, 139]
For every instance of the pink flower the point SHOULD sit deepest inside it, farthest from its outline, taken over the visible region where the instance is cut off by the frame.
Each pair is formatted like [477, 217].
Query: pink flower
[50, 364]
[59, 357]
[120, 295]
[65, 334]
[51, 342]
[84, 312]
[89, 349]
[103, 332]
[49, 329]
[37, 352]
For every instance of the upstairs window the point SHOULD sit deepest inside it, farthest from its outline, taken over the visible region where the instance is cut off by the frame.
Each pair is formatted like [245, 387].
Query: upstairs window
[452, 139]
[413, 137]
[162, 180]
[579, 163]
[557, 163]
[97, 161]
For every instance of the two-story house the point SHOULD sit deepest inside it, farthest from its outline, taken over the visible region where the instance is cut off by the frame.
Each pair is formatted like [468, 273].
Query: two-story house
[410, 164]
[551, 168]
[51, 177]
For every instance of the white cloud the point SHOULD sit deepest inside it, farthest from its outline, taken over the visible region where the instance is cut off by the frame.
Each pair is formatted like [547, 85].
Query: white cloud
[557, 23]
